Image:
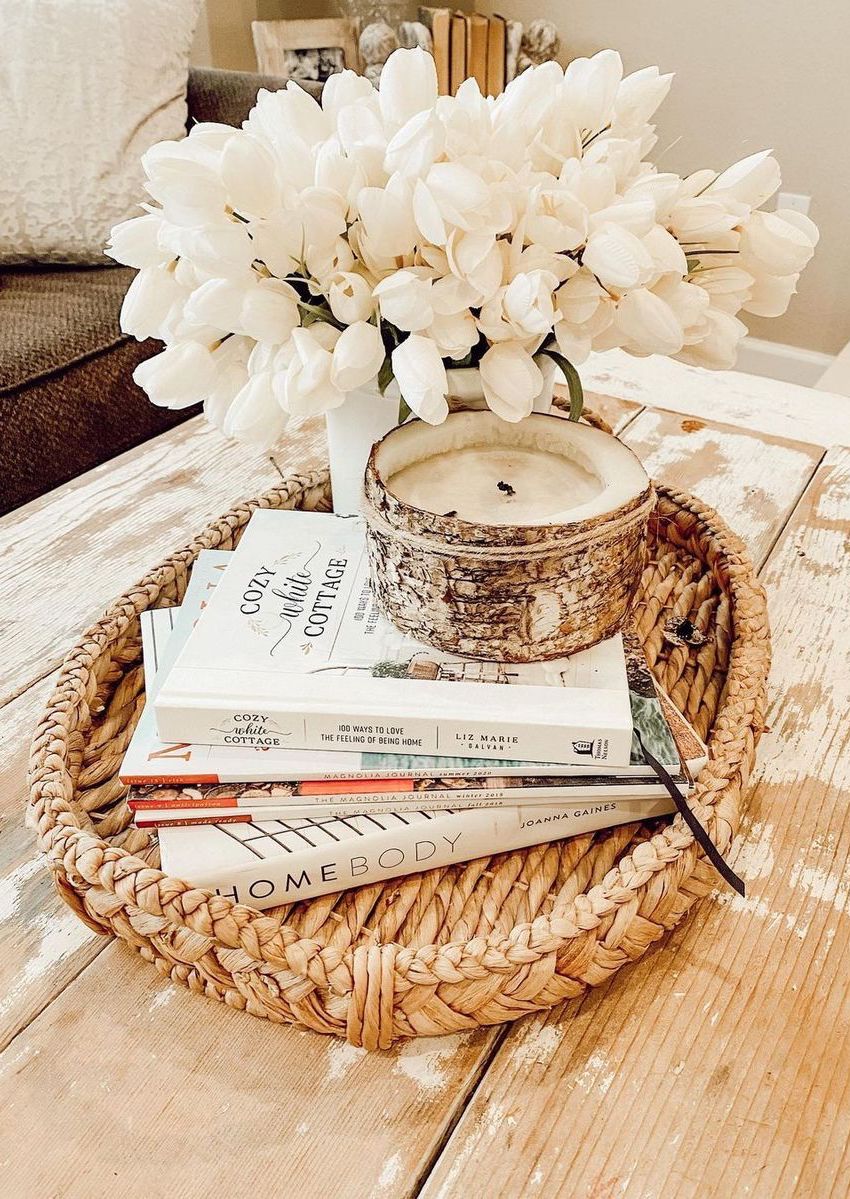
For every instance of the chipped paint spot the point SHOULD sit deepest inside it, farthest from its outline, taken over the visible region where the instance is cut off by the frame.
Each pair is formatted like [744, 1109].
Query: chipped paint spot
[163, 997]
[341, 1057]
[822, 885]
[422, 1059]
[753, 854]
[594, 1075]
[61, 935]
[390, 1172]
[11, 885]
[538, 1045]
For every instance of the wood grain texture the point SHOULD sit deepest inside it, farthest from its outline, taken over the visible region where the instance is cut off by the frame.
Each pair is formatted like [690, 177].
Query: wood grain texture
[42, 943]
[68, 553]
[718, 1066]
[753, 480]
[169, 1095]
[749, 401]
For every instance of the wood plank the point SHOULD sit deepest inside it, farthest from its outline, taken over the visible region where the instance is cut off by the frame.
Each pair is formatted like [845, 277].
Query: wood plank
[749, 401]
[180, 1094]
[98, 534]
[42, 943]
[752, 479]
[717, 1065]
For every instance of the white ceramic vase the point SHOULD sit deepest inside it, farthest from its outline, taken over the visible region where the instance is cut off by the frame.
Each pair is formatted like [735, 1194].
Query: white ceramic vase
[366, 416]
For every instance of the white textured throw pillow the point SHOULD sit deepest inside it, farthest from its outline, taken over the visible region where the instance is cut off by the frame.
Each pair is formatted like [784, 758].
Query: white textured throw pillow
[86, 86]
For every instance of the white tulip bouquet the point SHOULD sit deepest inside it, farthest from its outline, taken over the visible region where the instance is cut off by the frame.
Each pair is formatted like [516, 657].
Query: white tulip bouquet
[383, 235]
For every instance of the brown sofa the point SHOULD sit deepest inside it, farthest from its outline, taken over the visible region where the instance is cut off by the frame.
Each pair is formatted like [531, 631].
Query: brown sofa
[67, 398]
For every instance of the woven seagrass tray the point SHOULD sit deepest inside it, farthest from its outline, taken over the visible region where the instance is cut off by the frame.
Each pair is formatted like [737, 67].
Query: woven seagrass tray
[474, 944]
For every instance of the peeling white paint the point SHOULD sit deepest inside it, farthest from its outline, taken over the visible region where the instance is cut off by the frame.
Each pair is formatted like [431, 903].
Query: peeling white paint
[422, 1059]
[61, 935]
[341, 1057]
[390, 1172]
[825, 886]
[538, 1045]
[11, 885]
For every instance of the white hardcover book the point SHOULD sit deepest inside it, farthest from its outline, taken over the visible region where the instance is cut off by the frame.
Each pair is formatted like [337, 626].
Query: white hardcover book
[293, 652]
[281, 861]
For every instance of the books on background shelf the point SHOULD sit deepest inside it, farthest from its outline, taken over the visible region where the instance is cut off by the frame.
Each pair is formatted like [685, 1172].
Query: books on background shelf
[292, 651]
[268, 825]
[471, 45]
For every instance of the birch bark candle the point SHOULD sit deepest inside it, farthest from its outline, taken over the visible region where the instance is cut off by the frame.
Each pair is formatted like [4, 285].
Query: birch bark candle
[508, 542]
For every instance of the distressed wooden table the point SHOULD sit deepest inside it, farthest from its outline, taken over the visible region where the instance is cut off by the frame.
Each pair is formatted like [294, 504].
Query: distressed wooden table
[719, 1065]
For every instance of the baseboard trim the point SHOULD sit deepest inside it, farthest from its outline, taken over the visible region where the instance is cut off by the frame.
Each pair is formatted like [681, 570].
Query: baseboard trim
[777, 360]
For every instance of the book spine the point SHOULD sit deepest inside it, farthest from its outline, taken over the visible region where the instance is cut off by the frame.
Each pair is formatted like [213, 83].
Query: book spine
[205, 722]
[179, 817]
[379, 801]
[443, 841]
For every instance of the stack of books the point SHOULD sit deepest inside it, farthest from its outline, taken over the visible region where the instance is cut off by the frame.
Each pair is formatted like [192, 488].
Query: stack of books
[294, 743]
[471, 45]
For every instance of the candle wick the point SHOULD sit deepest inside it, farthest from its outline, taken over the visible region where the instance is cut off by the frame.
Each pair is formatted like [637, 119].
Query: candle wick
[506, 487]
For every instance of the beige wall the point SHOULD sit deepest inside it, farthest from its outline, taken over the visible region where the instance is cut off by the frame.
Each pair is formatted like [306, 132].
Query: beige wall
[749, 74]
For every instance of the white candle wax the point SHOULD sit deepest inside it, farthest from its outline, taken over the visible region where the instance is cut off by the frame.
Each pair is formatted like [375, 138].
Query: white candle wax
[496, 485]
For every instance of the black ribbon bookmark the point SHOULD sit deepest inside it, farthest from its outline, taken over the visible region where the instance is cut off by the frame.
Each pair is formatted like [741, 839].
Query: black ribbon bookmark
[700, 835]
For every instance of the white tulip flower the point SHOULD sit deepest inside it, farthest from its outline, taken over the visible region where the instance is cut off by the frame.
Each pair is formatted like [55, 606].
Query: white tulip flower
[454, 333]
[152, 298]
[357, 356]
[230, 361]
[350, 297]
[648, 323]
[249, 174]
[511, 381]
[408, 86]
[344, 89]
[180, 376]
[475, 259]
[309, 388]
[266, 310]
[254, 416]
[387, 217]
[617, 258]
[752, 181]
[782, 242]
[405, 299]
[718, 350]
[590, 89]
[771, 294]
[136, 242]
[421, 376]
[522, 311]
[638, 97]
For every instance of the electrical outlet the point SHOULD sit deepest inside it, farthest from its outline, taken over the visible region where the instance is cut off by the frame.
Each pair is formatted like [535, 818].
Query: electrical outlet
[797, 203]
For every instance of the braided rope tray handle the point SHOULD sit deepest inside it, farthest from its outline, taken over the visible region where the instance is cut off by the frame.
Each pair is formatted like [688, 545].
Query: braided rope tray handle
[369, 992]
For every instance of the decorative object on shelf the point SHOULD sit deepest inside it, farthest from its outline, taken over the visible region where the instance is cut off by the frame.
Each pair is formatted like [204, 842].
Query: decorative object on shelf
[513, 41]
[540, 43]
[413, 33]
[382, 981]
[510, 544]
[377, 42]
[310, 50]
[323, 250]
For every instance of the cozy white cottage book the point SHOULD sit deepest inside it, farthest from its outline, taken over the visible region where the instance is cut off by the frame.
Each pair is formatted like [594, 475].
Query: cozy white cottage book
[293, 652]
